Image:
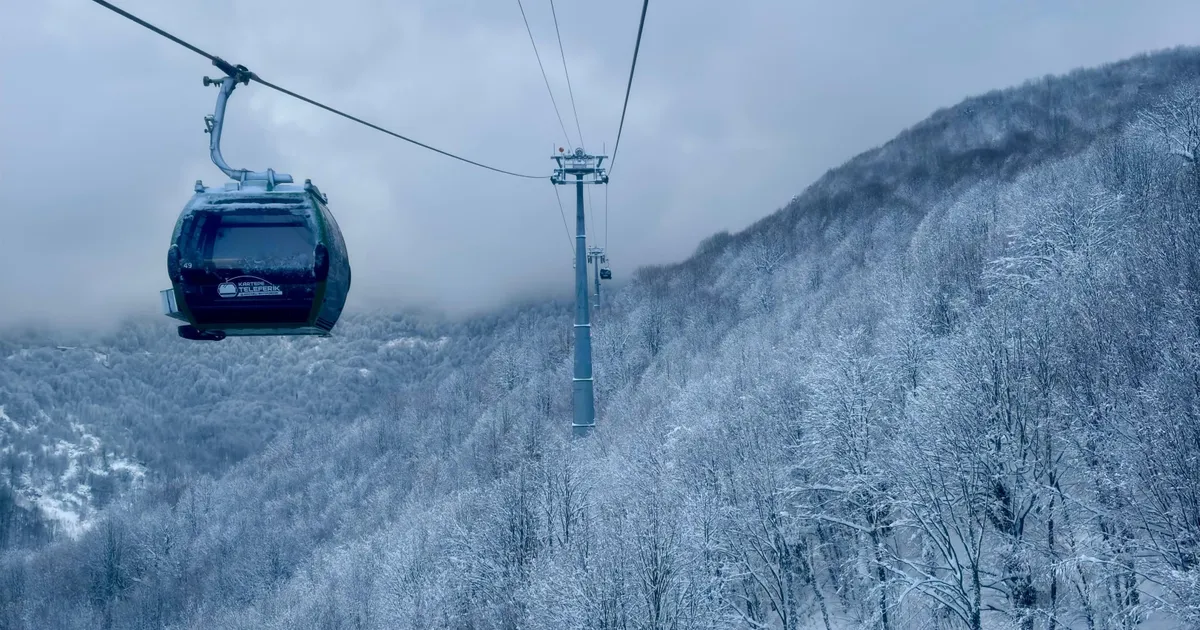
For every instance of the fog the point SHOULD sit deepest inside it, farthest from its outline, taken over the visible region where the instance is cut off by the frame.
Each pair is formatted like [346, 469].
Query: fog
[735, 108]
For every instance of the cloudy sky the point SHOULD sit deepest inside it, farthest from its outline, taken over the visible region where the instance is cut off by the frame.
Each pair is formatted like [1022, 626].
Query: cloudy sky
[736, 107]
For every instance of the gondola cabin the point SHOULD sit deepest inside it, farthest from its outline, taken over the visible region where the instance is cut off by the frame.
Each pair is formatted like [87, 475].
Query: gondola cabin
[255, 258]
[605, 273]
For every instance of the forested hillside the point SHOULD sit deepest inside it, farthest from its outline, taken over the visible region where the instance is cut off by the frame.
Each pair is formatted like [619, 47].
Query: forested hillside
[954, 384]
[85, 418]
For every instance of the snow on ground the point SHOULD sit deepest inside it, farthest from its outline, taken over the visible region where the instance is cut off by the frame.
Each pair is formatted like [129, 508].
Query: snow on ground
[136, 470]
[66, 499]
[413, 342]
[10, 423]
[65, 519]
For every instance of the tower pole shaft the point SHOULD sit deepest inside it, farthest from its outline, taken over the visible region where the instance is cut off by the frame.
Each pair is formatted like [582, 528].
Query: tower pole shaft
[582, 393]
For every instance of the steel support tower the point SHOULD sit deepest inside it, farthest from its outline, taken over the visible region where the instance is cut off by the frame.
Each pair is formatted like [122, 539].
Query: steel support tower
[596, 257]
[579, 168]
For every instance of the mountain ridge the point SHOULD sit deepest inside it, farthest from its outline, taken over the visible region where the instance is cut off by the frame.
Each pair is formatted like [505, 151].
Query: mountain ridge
[830, 191]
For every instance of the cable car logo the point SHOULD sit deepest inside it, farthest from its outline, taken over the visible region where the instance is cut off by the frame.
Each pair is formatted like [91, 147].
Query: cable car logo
[247, 286]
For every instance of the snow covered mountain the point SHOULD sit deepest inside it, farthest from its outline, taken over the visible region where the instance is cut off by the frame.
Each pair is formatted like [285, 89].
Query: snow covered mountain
[952, 384]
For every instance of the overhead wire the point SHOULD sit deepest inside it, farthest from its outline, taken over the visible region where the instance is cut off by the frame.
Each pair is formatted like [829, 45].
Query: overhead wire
[242, 72]
[606, 218]
[140, 21]
[563, 213]
[544, 77]
[590, 207]
[587, 216]
[392, 133]
[570, 90]
[629, 85]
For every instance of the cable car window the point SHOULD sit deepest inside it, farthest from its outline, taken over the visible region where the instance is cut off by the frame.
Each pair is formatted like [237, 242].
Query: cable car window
[274, 244]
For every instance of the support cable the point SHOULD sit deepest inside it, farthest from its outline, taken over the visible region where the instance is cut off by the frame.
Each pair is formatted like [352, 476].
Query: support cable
[563, 213]
[544, 78]
[588, 219]
[244, 74]
[570, 90]
[629, 85]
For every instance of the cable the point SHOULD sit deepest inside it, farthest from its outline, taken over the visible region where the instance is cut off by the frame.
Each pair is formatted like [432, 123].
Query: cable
[134, 18]
[544, 78]
[628, 86]
[569, 89]
[390, 133]
[606, 218]
[562, 53]
[563, 214]
[590, 206]
[228, 68]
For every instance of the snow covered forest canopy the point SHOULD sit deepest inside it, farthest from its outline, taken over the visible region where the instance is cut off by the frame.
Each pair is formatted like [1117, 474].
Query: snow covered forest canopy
[954, 384]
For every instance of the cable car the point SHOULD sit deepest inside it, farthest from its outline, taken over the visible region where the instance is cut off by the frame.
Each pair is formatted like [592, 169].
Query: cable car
[605, 273]
[259, 256]
[253, 261]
